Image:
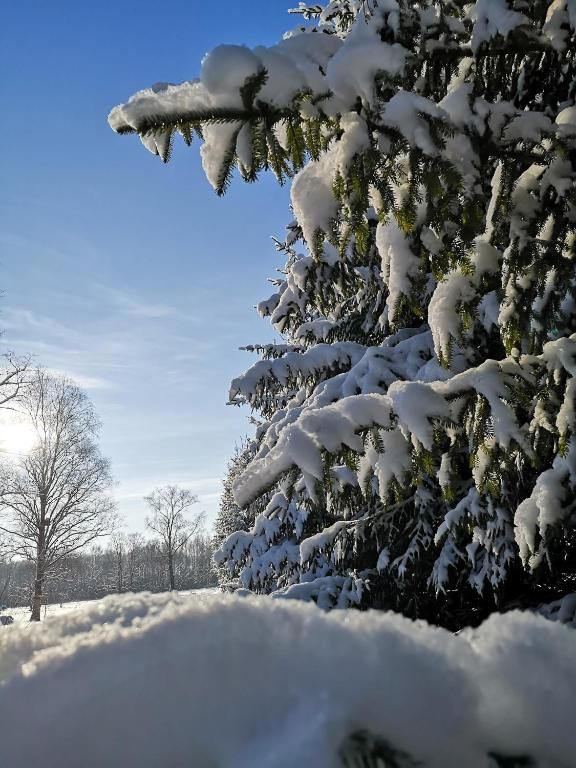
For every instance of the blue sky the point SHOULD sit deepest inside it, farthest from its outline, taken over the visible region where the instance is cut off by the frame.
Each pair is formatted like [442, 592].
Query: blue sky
[128, 275]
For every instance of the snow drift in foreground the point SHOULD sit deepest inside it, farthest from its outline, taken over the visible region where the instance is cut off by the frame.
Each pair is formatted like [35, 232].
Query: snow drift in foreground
[152, 680]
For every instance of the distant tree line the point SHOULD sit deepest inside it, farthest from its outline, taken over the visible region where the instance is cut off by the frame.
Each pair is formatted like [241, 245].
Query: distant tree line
[126, 563]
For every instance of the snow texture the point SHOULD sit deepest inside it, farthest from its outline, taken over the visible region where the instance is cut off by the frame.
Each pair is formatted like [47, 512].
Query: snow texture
[353, 68]
[492, 18]
[138, 680]
[562, 610]
[294, 366]
[313, 200]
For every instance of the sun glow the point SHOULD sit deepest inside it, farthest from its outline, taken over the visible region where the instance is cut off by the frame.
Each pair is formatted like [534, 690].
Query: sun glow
[17, 435]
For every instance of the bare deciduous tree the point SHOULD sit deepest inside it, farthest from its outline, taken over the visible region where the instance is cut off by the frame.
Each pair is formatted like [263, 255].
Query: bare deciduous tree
[118, 545]
[53, 500]
[4, 586]
[168, 505]
[14, 377]
[135, 544]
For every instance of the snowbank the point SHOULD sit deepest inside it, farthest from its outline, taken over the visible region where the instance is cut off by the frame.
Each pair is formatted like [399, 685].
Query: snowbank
[224, 681]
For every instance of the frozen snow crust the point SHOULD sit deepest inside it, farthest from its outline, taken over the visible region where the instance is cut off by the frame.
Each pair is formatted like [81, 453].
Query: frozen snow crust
[150, 680]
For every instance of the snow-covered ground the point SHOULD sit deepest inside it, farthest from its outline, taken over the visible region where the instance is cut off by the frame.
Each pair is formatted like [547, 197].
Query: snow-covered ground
[211, 680]
[22, 615]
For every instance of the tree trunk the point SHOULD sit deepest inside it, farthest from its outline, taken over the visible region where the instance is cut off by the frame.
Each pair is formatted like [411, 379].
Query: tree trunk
[171, 571]
[5, 587]
[40, 569]
[120, 576]
[38, 592]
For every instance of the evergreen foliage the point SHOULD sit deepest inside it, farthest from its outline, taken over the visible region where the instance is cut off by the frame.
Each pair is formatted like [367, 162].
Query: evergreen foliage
[364, 750]
[417, 448]
[231, 518]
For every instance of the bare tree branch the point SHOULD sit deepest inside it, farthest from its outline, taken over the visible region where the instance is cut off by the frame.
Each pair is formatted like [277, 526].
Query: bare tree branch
[14, 377]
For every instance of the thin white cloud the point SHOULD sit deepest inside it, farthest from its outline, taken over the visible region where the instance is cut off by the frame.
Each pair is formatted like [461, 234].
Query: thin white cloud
[186, 357]
[133, 306]
[84, 382]
[206, 497]
[104, 342]
[14, 318]
[137, 308]
[207, 488]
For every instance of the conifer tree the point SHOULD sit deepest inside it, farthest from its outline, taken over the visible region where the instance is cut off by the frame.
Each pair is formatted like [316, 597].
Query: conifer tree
[231, 518]
[417, 437]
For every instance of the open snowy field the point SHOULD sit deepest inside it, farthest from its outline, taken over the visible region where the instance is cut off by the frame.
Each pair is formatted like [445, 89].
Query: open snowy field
[22, 614]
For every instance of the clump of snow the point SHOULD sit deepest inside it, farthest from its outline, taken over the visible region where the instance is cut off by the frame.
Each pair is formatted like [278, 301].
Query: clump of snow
[162, 99]
[542, 509]
[223, 681]
[352, 69]
[560, 16]
[226, 68]
[395, 461]
[562, 610]
[405, 112]
[216, 137]
[284, 80]
[458, 99]
[416, 404]
[444, 473]
[399, 264]
[315, 206]
[566, 121]
[354, 140]
[492, 18]
[320, 540]
[326, 591]
[528, 126]
[444, 318]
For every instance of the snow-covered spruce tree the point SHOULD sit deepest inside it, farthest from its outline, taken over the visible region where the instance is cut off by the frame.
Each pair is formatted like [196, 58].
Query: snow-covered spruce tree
[417, 434]
[231, 518]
